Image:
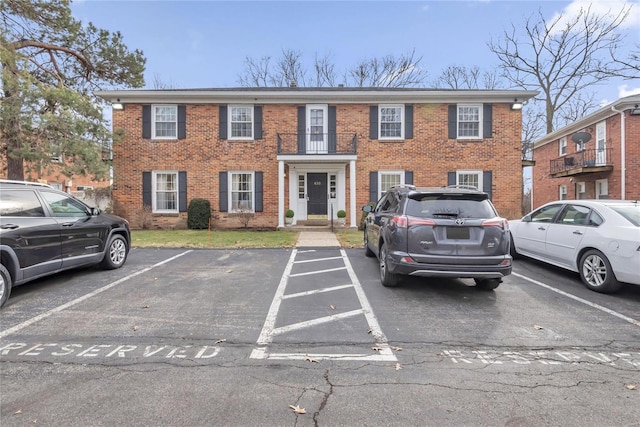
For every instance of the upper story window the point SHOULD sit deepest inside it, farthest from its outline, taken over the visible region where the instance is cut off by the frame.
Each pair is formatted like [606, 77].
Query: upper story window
[391, 121]
[469, 121]
[165, 122]
[165, 192]
[563, 146]
[241, 121]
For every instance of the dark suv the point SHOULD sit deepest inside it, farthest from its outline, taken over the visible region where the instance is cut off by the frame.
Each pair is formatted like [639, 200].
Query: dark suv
[44, 231]
[438, 232]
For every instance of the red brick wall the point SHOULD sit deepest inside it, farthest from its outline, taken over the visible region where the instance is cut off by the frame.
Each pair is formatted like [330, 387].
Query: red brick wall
[430, 155]
[546, 188]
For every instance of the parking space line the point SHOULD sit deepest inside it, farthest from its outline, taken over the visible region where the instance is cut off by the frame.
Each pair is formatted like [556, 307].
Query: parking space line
[583, 301]
[382, 349]
[84, 297]
[317, 259]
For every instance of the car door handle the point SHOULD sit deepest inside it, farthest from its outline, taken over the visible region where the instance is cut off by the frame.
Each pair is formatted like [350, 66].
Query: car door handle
[541, 228]
[578, 232]
[68, 224]
[9, 226]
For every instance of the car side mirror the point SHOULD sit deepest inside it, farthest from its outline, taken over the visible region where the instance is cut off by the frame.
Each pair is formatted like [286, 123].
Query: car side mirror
[367, 208]
[526, 218]
[95, 211]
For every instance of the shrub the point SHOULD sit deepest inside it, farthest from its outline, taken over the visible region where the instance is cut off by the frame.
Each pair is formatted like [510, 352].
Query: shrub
[289, 213]
[341, 214]
[198, 214]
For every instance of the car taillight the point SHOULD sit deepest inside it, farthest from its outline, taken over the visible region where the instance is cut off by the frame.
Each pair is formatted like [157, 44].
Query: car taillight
[408, 221]
[496, 222]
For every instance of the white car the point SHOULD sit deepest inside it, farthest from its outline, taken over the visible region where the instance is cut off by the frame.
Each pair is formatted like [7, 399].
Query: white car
[600, 239]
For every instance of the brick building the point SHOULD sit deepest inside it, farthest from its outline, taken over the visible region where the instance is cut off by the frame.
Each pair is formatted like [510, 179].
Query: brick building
[312, 150]
[595, 157]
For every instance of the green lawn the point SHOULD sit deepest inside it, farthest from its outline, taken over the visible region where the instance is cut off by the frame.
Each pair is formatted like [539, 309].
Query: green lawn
[229, 238]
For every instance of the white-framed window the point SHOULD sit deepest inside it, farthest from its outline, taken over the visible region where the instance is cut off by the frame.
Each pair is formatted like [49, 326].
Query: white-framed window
[301, 187]
[333, 185]
[581, 190]
[241, 122]
[469, 121]
[563, 146]
[602, 189]
[388, 179]
[164, 196]
[391, 121]
[164, 123]
[56, 185]
[469, 177]
[562, 192]
[241, 193]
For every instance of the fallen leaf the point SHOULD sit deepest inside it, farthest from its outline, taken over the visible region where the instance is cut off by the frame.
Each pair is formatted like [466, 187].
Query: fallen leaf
[631, 387]
[377, 348]
[145, 306]
[398, 366]
[222, 340]
[332, 307]
[308, 358]
[370, 331]
[637, 323]
[297, 409]
[537, 327]
[229, 271]
[135, 328]
[19, 411]
[396, 348]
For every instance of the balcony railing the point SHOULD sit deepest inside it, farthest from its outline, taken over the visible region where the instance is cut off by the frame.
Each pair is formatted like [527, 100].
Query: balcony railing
[581, 162]
[317, 143]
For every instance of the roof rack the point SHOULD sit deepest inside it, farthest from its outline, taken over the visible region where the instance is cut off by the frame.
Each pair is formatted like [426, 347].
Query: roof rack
[464, 187]
[409, 186]
[11, 181]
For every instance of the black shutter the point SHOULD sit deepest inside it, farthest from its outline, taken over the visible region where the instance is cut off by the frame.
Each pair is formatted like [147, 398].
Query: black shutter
[182, 122]
[487, 183]
[258, 192]
[453, 122]
[257, 122]
[146, 189]
[146, 122]
[223, 192]
[223, 122]
[182, 191]
[408, 177]
[332, 125]
[487, 120]
[302, 126]
[451, 178]
[373, 122]
[373, 186]
[408, 122]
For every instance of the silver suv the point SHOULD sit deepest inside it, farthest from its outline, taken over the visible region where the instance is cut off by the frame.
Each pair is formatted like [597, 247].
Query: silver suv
[450, 231]
[44, 231]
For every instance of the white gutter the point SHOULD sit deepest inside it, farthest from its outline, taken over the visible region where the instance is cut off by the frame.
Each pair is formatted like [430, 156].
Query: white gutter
[623, 154]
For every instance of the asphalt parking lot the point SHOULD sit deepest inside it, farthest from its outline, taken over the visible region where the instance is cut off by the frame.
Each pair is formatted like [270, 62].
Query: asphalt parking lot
[244, 337]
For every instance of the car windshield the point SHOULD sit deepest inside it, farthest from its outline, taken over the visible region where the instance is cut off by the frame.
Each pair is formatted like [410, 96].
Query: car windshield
[450, 206]
[630, 212]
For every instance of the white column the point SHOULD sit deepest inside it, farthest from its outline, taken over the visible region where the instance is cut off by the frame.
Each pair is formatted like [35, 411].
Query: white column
[352, 192]
[280, 194]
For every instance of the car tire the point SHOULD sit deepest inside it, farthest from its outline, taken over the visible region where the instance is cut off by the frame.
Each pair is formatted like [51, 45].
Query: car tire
[487, 284]
[512, 248]
[116, 253]
[387, 278]
[5, 285]
[367, 251]
[596, 272]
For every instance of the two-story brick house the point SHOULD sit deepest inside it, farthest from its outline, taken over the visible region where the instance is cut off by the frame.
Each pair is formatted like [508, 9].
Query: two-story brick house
[312, 150]
[595, 157]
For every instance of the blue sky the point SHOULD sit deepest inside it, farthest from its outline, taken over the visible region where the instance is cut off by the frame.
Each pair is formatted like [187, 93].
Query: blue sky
[199, 44]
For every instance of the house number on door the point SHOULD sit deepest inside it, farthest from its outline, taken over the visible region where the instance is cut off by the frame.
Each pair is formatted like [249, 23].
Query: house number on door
[317, 183]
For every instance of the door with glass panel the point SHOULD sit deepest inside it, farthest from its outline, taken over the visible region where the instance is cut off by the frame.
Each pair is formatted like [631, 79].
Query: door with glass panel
[317, 129]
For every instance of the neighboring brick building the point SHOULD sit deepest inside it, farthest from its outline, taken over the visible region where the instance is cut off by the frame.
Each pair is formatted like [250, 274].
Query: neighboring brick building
[605, 166]
[312, 150]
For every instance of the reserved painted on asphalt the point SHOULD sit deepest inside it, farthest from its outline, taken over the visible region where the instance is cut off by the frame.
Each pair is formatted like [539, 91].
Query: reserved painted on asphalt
[547, 357]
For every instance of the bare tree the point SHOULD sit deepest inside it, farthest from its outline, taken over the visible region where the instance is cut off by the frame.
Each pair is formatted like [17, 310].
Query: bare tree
[158, 83]
[461, 77]
[256, 72]
[325, 74]
[561, 57]
[289, 70]
[387, 71]
[630, 67]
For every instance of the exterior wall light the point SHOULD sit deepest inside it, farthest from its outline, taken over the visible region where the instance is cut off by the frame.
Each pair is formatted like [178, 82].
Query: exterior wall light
[117, 105]
[517, 105]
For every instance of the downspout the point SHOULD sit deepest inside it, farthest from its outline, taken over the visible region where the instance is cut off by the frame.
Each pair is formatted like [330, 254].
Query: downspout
[623, 154]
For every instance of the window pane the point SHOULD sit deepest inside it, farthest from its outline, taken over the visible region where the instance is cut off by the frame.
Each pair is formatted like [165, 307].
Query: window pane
[242, 191]
[468, 179]
[20, 203]
[390, 122]
[166, 191]
[166, 121]
[242, 122]
[469, 121]
[388, 180]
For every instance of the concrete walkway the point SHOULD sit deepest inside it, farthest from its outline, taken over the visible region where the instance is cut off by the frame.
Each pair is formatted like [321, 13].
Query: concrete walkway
[320, 238]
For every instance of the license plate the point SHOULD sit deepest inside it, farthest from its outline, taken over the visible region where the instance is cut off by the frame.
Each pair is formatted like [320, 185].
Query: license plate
[458, 233]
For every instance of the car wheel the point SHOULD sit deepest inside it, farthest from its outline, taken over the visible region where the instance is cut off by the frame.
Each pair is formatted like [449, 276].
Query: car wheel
[367, 251]
[5, 285]
[596, 272]
[116, 253]
[512, 248]
[387, 278]
[487, 284]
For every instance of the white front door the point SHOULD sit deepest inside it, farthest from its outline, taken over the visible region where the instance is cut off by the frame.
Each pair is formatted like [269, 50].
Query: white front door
[317, 129]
